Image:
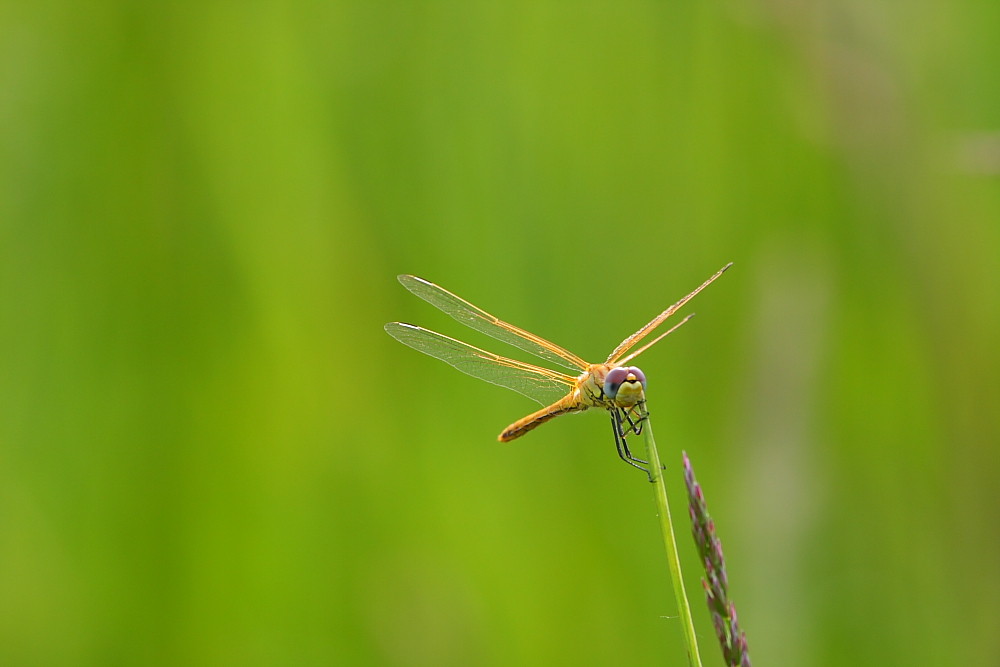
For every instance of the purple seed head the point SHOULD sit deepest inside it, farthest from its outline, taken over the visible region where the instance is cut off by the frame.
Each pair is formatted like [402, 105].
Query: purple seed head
[732, 640]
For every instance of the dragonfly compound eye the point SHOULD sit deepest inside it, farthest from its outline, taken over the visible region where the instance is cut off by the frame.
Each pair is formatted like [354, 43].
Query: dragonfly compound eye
[631, 378]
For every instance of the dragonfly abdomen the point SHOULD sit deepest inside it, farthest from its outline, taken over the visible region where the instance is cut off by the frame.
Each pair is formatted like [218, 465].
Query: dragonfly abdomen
[568, 404]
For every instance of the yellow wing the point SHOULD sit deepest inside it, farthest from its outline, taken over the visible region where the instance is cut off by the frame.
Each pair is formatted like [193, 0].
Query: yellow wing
[616, 356]
[539, 384]
[480, 320]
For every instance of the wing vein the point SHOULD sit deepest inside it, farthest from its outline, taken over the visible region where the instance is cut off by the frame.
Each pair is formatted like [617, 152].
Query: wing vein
[634, 339]
[539, 384]
[480, 320]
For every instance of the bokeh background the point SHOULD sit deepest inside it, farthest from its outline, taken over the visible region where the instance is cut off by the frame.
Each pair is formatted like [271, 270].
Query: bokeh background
[211, 453]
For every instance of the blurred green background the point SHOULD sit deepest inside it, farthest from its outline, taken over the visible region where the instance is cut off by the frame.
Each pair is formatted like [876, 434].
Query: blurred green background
[211, 453]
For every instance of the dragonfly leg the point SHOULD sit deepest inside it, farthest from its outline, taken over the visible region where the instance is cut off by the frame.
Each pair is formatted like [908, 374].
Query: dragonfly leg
[635, 425]
[626, 416]
[623, 451]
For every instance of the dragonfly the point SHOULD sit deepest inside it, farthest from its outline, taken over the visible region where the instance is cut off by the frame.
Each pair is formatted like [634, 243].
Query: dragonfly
[613, 384]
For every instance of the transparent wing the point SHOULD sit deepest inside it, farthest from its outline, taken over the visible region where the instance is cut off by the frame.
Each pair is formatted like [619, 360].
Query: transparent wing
[633, 340]
[539, 384]
[480, 320]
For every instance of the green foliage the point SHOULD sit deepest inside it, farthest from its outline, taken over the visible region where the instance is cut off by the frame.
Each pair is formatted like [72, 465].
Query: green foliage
[211, 453]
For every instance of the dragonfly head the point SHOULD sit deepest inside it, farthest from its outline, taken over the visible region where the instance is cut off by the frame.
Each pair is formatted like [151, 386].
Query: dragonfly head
[625, 385]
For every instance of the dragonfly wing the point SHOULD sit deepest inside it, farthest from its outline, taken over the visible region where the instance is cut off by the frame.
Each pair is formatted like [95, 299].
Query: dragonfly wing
[480, 320]
[539, 384]
[634, 339]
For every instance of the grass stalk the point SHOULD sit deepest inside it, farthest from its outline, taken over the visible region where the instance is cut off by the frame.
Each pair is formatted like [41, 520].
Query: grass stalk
[663, 508]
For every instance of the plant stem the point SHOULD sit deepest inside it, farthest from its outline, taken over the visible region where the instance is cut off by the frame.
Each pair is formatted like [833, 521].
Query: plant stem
[663, 507]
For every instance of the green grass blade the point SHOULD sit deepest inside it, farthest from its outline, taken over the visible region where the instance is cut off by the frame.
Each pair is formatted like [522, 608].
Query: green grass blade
[663, 509]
